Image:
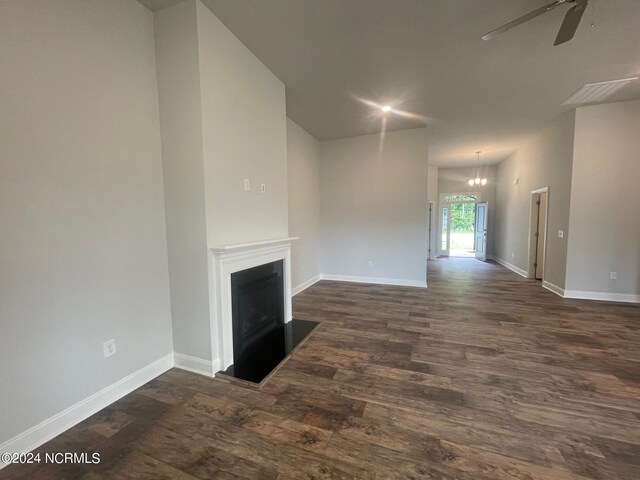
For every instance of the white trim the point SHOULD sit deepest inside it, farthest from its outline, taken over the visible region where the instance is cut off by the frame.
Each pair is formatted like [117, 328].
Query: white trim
[304, 285]
[511, 267]
[196, 365]
[375, 280]
[253, 245]
[553, 288]
[541, 190]
[603, 296]
[225, 260]
[584, 295]
[67, 418]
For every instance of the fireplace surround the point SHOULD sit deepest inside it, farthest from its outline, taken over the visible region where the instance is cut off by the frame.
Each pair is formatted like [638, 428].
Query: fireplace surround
[226, 260]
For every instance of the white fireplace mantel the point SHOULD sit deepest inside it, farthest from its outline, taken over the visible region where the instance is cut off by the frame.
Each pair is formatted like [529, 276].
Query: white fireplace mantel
[227, 259]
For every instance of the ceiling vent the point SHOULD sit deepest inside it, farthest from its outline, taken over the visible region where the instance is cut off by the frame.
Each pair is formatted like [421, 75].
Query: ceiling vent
[597, 92]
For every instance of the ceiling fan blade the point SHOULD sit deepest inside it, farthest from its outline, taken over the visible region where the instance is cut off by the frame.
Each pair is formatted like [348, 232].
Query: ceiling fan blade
[571, 22]
[520, 20]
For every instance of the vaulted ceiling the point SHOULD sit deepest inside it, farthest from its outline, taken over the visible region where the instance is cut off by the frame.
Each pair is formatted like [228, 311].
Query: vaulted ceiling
[426, 57]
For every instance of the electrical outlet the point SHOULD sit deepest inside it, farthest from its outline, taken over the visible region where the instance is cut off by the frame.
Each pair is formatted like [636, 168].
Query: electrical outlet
[613, 275]
[109, 348]
[263, 188]
[370, 264]
[560, 233]
[247, 184]
[513, 254]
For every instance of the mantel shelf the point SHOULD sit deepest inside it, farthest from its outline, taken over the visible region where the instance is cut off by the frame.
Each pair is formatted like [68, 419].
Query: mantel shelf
[249, 246]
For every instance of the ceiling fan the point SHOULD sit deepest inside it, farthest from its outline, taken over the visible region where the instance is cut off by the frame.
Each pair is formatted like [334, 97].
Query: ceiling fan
[569, 24]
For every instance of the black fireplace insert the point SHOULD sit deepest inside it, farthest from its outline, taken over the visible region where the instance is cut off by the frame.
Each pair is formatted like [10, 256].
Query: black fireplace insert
[261, 338]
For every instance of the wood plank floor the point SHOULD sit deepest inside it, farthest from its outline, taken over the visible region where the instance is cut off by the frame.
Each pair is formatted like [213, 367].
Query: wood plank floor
[484, 375]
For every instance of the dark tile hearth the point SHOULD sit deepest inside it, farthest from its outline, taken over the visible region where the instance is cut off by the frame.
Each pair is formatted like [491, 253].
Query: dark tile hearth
[267, 353]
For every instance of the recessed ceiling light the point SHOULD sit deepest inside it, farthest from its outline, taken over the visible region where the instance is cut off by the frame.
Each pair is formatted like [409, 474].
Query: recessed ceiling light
[386, 108]
[597, 92]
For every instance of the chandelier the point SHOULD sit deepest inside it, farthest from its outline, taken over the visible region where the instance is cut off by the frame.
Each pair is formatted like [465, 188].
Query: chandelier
[477, 182]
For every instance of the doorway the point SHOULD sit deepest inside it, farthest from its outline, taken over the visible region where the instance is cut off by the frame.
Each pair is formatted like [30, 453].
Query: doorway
[538, 233]
[457, 224]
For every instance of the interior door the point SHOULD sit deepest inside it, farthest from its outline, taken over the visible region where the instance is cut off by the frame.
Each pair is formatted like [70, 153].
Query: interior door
[481, 231]
[541, 235]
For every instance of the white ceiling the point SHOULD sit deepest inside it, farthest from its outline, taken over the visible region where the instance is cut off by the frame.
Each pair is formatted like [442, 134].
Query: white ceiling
[427, 57]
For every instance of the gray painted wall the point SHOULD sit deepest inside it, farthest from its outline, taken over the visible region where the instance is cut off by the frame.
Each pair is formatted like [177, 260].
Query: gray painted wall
[374, 205]
[223, 120]
[244, 136]
[545, 161]
[303, 158]
[432, 196]
[182, 158]
[605, 200]
[83, 244]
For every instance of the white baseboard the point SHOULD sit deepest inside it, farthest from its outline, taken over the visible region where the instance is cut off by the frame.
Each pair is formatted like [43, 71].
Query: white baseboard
[603, 296]
[553, 288]
[64, 420]
[376, 280]
[583, 295]
[305, 285]
[512, 267]
[196, 365]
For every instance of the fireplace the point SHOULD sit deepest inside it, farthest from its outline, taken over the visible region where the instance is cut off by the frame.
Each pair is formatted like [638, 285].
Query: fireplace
[250, 300]
[257, 307]
[261, 337]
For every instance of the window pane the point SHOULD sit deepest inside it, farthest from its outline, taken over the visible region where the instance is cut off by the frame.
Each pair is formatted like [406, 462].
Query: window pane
[444, 228]
[459, 198]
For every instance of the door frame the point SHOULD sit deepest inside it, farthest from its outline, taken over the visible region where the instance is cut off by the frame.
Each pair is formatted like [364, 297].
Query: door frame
[533, 224]
[441, 205]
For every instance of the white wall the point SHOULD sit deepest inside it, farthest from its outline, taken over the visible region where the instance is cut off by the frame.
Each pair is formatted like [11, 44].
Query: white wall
[181, 120]
[605, 201]
[454, 180]
[545, 161]
[244, 136]
[83, 246]
[303, 158]
[373, 206]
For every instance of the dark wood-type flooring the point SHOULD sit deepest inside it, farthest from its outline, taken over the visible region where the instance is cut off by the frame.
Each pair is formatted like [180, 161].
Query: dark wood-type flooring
[484, 375]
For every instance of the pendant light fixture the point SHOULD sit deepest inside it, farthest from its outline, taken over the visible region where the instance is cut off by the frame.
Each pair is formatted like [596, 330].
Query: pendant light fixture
[477, 182]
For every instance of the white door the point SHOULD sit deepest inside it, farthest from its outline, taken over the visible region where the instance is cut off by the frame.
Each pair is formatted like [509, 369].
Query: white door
[481, 231]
